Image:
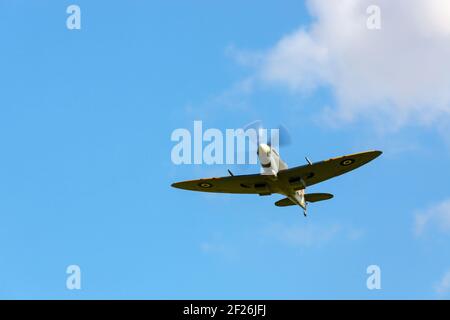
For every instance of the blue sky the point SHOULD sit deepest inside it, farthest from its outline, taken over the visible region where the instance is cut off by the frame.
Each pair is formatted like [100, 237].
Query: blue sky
[85, 170]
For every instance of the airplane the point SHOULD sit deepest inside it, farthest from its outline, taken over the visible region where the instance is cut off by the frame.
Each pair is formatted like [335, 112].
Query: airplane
[278, 178]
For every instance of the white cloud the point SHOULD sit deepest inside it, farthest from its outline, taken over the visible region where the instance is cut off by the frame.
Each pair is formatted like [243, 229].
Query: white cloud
[397, 75]
[310, 234]
[218, 248]
[216, 106]
[437, 216]
[443, 286]
[303, 235]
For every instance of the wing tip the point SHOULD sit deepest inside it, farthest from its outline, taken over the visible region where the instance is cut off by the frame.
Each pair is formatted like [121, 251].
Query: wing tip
[175, 185]
[370, 154]
[375, 153]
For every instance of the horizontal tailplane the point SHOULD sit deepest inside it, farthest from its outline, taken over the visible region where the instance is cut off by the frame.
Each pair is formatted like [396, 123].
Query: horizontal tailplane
[310, 197]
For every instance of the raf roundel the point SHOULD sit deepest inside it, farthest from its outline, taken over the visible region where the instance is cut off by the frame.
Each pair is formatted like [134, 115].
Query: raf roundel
[347, 162]
[205, 185]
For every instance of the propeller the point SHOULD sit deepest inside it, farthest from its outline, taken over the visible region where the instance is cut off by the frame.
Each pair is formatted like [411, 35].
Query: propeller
[273, 138]
[268, 135]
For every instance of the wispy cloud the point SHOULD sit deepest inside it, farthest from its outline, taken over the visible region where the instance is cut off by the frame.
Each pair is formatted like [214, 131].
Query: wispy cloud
[443, 287]
[396, 75]
[309, 234]
[209, 247]
[219, 247]
[231, 100]
[437, 216]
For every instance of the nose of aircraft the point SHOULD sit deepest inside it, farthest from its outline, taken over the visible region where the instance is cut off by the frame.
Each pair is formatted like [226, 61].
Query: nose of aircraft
[263, 149]
[264, 154]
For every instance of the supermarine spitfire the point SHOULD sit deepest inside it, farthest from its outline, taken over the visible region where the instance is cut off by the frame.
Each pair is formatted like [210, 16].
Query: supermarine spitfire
[278, 178]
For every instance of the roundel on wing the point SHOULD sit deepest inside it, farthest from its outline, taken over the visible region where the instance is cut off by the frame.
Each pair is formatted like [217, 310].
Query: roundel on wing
[205, 185]
[347, 162]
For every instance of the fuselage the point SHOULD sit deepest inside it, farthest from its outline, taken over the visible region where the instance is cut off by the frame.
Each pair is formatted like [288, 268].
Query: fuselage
[271, 163]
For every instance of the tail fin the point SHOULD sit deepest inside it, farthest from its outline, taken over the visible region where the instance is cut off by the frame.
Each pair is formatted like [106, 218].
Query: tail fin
[310, 197]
